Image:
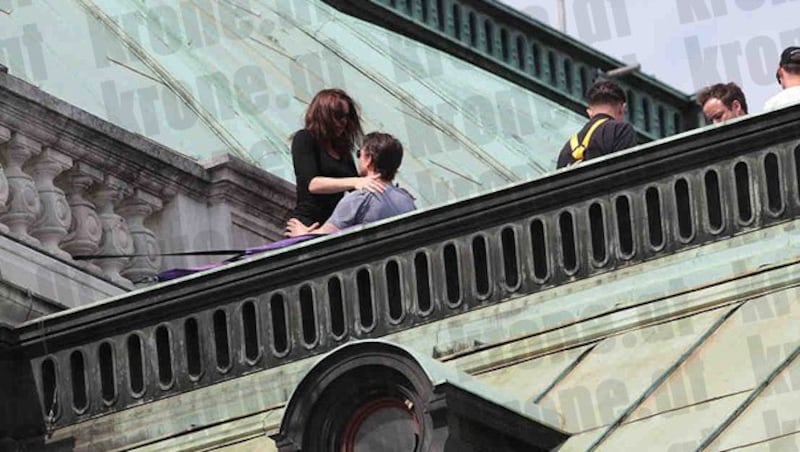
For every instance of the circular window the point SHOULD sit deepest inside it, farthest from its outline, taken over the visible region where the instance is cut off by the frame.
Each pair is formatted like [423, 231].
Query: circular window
[386, 424]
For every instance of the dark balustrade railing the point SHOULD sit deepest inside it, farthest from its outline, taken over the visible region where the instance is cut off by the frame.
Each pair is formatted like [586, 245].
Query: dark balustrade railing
[259, 314]
[521, 49]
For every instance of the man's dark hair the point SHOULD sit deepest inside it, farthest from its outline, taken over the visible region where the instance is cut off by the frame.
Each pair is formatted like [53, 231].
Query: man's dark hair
[790, 60]
[386, 152]
[725, 92]
[605, 92]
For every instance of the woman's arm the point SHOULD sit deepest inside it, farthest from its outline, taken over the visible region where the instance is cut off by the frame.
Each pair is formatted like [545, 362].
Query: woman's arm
[306, 171]
[295, 228]
[304, 159]
[321, 185]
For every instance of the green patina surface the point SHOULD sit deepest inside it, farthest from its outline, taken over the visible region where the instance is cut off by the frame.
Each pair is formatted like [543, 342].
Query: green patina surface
[519, 48]
[207, 78]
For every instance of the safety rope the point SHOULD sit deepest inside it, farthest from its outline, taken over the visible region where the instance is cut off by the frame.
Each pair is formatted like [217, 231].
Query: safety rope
[85, 257]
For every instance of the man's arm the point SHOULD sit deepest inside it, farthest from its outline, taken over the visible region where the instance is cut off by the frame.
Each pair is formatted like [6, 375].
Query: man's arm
[564, 157]
[349, 211]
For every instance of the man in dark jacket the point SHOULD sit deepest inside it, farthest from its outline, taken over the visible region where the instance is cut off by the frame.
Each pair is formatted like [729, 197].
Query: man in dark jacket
[606, 131]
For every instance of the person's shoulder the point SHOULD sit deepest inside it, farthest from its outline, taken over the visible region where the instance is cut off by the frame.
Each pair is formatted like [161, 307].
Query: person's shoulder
[617, 135]
[357, 196]
[603, 122]
[303, 136]
[617, 123]
[771, 102]
[353, 199]
[403, 199]
[402, 191]
[302, 140]
[786, 97]
[619, 127]
[347, 210]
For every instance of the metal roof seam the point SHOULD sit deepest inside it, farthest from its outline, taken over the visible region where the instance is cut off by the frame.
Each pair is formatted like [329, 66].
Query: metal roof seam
[764, 441]
[692, 405]
[421, 79]
[432, 119]
[174, 86]
[665, 376]
[749, 400]
[565, 372]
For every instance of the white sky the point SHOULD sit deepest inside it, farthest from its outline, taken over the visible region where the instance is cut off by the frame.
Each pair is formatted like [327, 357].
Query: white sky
[686, 43]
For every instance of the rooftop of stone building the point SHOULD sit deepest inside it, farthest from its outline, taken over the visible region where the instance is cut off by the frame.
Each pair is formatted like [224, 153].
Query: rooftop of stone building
[694, 256]
[646, 296]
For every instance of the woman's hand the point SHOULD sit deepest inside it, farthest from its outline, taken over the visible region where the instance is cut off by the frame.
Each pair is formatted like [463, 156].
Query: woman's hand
[295, 228]
[372, 184]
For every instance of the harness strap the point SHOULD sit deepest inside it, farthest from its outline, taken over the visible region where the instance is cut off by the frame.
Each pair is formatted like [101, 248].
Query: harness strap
[578, 149]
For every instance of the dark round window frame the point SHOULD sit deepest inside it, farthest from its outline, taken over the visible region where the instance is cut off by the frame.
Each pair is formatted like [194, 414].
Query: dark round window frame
[370, 407]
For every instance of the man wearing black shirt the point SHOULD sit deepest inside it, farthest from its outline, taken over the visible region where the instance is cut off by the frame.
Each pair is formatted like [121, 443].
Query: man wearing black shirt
[606, 131]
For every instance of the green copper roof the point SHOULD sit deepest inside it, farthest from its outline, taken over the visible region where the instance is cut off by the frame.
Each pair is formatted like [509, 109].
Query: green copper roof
[235, 77]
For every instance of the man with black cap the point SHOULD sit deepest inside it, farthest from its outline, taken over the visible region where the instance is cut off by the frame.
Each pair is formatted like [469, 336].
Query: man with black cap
[789, 78]
[606, 131]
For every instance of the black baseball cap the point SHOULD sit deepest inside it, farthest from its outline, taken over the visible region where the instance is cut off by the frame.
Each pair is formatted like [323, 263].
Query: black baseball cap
[790, 56]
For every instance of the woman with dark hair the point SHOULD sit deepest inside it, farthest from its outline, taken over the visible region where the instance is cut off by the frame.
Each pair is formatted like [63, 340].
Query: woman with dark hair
[322, 156]
[380, 156]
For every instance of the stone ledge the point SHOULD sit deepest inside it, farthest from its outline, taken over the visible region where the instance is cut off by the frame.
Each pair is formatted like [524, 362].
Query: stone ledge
[53, 284]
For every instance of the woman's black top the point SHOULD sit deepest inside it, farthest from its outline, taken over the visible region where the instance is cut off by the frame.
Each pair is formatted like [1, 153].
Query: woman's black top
[310, 161]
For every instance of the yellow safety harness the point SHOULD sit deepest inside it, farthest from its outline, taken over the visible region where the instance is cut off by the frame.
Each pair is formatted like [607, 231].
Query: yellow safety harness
[578, 149]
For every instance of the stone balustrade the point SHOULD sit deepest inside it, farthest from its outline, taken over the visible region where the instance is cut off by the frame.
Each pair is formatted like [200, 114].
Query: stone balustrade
[69, 208]
[73, 185]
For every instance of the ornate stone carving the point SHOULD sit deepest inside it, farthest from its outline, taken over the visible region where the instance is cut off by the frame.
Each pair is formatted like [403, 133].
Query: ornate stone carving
[136, 209]
[23, 204]
[116, 239]
[5, 135]
[86, 231]
[55, 216]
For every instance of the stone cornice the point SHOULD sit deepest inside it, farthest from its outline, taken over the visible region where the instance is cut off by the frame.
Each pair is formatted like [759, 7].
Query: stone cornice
[7, 336]
[82, 136]
[251, 189]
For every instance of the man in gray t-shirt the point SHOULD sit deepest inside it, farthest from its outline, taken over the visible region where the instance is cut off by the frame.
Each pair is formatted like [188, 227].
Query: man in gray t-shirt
[361, 206]
[381, 155]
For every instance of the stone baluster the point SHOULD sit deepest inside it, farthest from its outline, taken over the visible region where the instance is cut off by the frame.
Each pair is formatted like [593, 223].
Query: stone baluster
[5, 136]
[136, 210]
[23, 200]
[116, 239]
[55, 216]
[86, 230]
